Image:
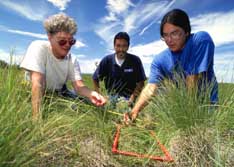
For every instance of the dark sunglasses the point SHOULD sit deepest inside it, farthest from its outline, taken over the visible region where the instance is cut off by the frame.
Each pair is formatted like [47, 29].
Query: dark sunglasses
[63, 42]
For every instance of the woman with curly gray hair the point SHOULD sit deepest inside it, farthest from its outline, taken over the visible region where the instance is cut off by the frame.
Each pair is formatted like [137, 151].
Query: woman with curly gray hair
[50, 64]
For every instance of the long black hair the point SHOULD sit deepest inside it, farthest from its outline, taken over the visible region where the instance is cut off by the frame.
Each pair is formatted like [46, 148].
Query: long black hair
[178, 18]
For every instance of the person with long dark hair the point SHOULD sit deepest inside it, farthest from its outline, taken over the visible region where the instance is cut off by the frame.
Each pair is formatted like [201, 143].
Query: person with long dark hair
[189, 55]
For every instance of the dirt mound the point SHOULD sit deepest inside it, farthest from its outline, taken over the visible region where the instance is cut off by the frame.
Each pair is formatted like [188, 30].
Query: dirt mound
[93, 154]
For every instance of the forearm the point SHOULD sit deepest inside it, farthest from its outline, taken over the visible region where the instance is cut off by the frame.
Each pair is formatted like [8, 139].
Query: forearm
[36, 100]
[84, 91]
[93, 96]
[191, 83]
[81, 89]
[38, 88]
[144, 98]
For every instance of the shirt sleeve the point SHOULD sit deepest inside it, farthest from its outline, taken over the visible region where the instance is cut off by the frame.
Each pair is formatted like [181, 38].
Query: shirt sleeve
[203, 56]
[99, 73]
[74, 71]
[35, 58]
[141, 72]
[155, 72]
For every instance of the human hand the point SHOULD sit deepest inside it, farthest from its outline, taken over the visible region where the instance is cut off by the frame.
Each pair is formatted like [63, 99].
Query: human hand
[130, 117]
[97, 99]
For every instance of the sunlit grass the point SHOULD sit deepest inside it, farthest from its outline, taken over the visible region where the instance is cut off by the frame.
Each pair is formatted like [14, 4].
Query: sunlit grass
[195, 134]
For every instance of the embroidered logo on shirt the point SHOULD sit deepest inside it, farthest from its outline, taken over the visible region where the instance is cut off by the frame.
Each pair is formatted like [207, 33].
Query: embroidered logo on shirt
[128, 70]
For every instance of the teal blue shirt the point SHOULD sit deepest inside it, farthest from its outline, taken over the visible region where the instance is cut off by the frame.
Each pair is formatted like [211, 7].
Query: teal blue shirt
[196, 57]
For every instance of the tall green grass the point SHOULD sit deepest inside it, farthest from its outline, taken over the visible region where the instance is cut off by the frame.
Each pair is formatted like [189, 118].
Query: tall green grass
[194, 134]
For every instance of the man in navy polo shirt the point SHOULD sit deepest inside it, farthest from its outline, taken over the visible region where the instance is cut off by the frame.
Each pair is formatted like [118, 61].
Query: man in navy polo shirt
[122, 73]
[190, 56]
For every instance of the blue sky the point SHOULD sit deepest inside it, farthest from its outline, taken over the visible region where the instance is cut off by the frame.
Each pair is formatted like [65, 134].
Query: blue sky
[99, 20]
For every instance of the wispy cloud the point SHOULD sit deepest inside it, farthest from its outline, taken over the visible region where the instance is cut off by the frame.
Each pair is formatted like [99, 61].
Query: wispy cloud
[113, 21]
[61, 4]
[29, 10]
[25, 33]
[40, 36]
[144, 15]
[158, 17]
[219, 25]
[129, 17]
[78, 44]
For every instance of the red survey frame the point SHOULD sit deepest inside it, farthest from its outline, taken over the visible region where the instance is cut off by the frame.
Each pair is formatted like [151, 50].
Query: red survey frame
[166, 158]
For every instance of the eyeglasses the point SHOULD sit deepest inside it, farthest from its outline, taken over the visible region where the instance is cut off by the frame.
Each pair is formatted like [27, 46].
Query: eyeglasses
[63, 42]
[175, 35]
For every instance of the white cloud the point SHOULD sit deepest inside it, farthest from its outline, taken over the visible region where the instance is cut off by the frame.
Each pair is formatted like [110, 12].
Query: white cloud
[112, 17]
[80, 56]
[61, 4]
[147, 51]
[118, 6]
[40, 36]
[79, 44]
[219, 25]
[30, 11]
[86, 65]
[224, 66]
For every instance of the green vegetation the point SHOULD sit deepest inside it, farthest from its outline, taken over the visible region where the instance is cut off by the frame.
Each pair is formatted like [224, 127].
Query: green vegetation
[194, 133]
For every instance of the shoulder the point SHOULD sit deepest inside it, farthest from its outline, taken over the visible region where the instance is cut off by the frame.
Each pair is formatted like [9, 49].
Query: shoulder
[108, 58]
[40, 43]
[134, 58]
[162, 56]
[38, 46]
[201, 36]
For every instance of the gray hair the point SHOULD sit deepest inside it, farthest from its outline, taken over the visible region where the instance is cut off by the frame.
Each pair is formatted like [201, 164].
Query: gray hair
[60, 23]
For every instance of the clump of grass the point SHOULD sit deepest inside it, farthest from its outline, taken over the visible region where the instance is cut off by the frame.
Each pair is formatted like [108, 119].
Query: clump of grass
[190, 125]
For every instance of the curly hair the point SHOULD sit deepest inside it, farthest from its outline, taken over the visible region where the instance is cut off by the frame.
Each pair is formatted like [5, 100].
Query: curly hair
[60, 23]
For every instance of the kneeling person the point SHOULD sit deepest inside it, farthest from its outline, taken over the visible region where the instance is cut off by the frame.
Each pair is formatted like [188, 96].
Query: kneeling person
[50, 64]
[123, 73]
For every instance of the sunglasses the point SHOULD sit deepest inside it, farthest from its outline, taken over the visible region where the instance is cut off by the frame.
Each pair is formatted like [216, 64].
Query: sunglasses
[63, 42]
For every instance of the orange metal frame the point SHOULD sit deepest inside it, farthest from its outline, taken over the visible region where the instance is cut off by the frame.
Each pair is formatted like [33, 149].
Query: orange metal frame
[166, 158]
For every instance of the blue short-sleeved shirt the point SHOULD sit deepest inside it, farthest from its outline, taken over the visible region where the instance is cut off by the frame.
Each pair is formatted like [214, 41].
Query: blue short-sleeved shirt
[196, 57]
[120, 80]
